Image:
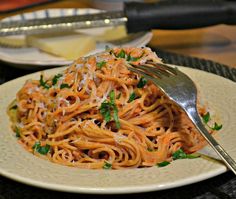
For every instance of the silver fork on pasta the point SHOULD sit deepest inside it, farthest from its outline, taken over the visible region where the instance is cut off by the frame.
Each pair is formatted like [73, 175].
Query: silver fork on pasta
[183, 92]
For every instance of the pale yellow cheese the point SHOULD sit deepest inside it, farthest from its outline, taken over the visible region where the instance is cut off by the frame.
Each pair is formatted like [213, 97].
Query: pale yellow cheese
[67, 45]
[13, 41]
[114, 33]
[72, 45]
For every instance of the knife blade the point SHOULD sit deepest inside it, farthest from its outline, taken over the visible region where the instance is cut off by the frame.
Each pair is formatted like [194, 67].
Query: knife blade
[136, 17]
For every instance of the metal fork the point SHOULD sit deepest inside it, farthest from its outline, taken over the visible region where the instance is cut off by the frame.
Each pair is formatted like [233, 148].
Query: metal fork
[181, 90]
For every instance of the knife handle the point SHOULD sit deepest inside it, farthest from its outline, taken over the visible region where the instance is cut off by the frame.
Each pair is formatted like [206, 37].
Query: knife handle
[179, 14]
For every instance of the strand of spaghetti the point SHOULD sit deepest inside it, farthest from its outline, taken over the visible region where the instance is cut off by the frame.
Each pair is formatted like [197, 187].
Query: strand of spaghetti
[81, 109]
[149, 117]
[116, 79]
[54, 143]
[171, 118]
[63, 133]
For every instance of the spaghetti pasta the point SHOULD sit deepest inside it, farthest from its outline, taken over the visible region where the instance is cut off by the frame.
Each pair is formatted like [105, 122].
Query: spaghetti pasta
[98, 114]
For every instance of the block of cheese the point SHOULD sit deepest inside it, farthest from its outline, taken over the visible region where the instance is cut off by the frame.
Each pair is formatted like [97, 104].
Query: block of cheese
[67, 45]
[114, 33]
[13, 41]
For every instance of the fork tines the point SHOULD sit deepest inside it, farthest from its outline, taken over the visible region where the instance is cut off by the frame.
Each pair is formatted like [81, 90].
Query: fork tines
[163, 67]
[154, 69]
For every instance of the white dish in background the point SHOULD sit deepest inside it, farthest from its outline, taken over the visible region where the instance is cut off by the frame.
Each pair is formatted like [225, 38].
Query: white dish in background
[33, 58]
[18, 164]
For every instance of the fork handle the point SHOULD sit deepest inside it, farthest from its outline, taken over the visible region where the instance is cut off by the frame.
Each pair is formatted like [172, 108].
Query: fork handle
[231, 164]
[179, 14]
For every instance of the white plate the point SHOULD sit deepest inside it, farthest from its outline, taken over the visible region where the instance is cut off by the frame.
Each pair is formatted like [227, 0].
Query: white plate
[19, 165]
[32, 58]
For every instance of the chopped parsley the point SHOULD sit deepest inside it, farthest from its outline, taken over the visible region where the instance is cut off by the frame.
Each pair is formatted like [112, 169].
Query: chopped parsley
[121, 54]
[100, 64]
[128, 57]
[142, 82]
[54, 81]
[56, 78]
[43, 83]
[107, 165]
[64, 86]
[180, 154]
[116, 118]
[41, 149]
[217, 127]
[112, 96]
[163, 164]
[132, 59]
[105, 110]
[115, 109]
[17, 131]
[206, 118]
[107, 107]
[132, 97]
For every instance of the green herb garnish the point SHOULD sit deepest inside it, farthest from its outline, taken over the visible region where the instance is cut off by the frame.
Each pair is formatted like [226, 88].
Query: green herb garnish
[43, 83]
[128, 57]
[112, 97]
[163, 164]
[121, 54]
[180, 154]
[142, 82]
[101, 64]
[132, 97]
[115, 109]
[107, 165]
[64, 86]
[107, 107]
[17, 131]
[105, 110]
[206, 118]
[132, 59]
[56, 78]
[217, 127]
[41, 149]
[115, 116]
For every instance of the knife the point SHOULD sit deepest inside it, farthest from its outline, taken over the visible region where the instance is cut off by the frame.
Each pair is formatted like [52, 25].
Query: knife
[136, 16]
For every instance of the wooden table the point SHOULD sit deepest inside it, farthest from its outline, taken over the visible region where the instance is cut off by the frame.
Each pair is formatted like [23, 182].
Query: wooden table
[216, 43]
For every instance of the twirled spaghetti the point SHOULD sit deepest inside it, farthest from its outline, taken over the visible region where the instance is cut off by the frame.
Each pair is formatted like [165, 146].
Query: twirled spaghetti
[97, 113]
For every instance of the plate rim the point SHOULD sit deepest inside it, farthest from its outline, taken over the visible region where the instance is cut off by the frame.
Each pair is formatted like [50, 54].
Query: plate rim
[131, 189]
